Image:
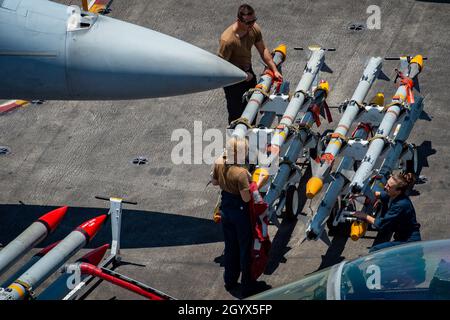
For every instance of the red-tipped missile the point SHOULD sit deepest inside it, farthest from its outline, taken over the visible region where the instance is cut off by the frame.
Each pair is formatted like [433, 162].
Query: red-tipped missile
[52, 219]
[40, 271]
[64, 284]
[32, 236]
[91, 227]
[27, 266]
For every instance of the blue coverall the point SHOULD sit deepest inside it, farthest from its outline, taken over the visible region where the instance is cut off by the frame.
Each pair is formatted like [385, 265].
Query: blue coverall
[398, 217]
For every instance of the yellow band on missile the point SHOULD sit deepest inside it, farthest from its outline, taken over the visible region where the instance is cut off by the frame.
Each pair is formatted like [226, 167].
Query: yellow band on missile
[336, 142]
[419, 60]
[281, 49]
[262, 86]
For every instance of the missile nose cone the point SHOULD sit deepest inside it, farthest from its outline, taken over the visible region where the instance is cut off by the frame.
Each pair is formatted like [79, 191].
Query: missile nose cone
[281, 49]
[44, 251]
[313, 187]
[419, 60]
[52, 219]
[357, 230]
[95, 256]
[91, 227]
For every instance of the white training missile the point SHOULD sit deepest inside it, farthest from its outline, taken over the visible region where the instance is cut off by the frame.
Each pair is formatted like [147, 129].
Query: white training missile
[28, 265]
[321, 166]
[258, 96]
[31, 237]
[301, 95]
[301, 136]
[397, 149]
[402, 99]
[60, 287]
[23, 287]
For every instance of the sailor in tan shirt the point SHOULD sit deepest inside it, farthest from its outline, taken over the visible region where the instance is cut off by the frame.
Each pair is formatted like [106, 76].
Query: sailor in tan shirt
[236, 45]
[234, 181]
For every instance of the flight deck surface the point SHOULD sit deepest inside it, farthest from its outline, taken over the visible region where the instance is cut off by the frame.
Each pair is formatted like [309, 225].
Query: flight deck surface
[65, 153]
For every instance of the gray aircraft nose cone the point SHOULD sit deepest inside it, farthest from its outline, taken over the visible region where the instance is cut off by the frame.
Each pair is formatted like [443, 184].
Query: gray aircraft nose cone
[117, 60]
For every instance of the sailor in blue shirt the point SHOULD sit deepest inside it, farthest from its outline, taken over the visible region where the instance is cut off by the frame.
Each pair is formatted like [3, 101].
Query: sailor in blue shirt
[398, 216]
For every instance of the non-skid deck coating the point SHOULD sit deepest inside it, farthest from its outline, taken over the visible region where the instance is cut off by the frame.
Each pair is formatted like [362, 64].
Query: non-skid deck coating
[64, 153]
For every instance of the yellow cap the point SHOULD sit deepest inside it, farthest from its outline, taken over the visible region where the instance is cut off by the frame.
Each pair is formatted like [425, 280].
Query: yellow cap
[378, 99]
[281, 49]
[419, 60]
[260, 176]
[324, 86]
[313, 187]
[358, 230]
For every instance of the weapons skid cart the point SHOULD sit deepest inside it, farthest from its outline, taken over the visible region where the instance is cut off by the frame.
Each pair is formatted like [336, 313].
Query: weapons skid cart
[375, 149]
[292, 139]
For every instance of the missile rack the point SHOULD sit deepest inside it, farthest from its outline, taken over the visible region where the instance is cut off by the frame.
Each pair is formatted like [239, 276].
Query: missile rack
[301, 149]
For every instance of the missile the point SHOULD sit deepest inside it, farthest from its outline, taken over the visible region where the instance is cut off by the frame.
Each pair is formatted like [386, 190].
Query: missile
[316, 226]
[310, 73]
[31, 237]
[321, 167]
[28, 265]
[299, 140]
[60, 288]
[63, 53]
[259, 95]
[400, 102]
[397, 149]
[23, 287]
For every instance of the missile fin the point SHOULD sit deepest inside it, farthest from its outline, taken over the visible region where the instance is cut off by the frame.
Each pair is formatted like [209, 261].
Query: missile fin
[326, 68]
[416, 84]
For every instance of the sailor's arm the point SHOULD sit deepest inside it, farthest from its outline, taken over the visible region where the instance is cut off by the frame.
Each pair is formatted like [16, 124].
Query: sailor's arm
[267, 58]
